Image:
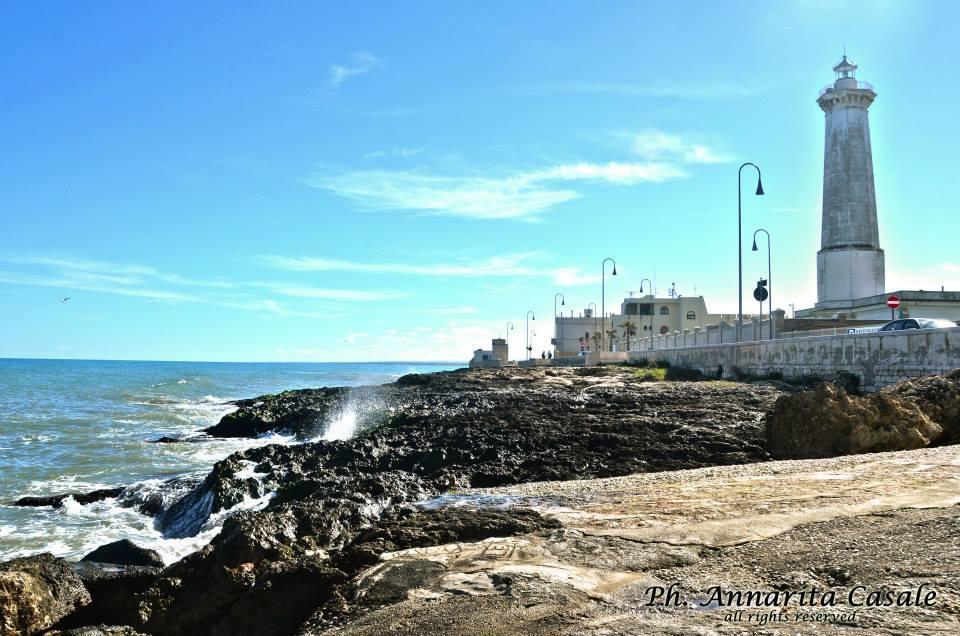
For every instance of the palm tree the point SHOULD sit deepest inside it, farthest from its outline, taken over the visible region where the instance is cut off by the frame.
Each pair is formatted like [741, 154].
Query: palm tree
[611, 334]
[597, 338]
[629, 329]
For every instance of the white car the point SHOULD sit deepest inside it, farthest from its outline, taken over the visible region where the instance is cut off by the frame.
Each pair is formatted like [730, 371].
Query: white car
[918, 323]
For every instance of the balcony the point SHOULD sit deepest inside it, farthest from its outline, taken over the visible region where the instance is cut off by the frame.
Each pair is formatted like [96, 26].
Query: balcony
[864, 86]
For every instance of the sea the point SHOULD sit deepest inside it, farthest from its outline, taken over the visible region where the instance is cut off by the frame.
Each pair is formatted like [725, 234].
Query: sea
[69, 426]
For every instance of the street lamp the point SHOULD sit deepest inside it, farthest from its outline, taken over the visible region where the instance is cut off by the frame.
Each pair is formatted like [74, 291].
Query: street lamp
[603, 298]
[740, 243]
[563, 301]
[529, 316]
[509, 329]
[594, 321]
[651, 306]
[769, 277]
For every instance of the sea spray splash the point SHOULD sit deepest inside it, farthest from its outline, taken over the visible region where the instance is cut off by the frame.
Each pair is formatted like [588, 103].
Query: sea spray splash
[361, 409]
[343, 425]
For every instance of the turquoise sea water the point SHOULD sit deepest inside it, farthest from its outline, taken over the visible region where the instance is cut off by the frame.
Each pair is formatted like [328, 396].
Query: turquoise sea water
[77, 425]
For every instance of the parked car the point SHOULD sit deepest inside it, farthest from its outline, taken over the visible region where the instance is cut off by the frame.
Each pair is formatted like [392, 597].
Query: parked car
[918, 323]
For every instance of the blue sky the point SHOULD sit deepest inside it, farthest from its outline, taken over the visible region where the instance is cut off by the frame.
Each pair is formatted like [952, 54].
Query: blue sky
[304, 181]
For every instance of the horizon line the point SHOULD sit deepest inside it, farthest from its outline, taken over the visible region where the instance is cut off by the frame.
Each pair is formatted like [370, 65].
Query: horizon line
[429, 362]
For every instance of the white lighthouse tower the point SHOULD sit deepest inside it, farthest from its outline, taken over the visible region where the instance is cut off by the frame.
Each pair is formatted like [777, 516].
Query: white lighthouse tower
[850, 262]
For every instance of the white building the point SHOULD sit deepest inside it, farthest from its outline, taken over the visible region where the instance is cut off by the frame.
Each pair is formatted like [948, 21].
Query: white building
[497, 356]
[646, 314]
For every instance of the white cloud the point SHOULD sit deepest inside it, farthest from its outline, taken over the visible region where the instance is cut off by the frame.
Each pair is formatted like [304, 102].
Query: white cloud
[300, 291]
[568, 276]
[524, 195]
[360, 64]
[507, 265]
[654, 145]
[138, 281]
[612, 172]
[700, 91]
[395, 151]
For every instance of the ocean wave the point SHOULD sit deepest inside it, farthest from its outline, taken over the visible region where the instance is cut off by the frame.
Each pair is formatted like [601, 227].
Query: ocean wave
[75, 530]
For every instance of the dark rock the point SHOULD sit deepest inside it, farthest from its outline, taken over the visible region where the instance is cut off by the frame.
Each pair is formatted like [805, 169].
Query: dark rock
[36, 592]
[125, 552]
[113, 590]
[166, 440]
[82, 498]
[299, 412]
[335, 504]
[152, 499]
[414, 379]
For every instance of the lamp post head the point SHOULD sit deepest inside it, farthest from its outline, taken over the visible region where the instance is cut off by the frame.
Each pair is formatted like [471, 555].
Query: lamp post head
[563, 302]
[614, 273]
[754, 248]
[759, 185]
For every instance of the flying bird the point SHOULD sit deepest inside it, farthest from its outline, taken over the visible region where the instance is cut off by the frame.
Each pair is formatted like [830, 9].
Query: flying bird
[65, 299]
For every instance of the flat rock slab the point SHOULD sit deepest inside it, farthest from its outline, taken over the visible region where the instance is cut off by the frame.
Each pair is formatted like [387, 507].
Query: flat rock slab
[884, 521]
[727, 505]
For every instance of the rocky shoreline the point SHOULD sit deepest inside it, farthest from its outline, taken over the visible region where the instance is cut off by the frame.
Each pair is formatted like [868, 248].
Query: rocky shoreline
[330, 511]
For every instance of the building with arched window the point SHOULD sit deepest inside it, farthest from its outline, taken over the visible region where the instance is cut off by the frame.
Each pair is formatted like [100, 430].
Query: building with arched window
[645, 315]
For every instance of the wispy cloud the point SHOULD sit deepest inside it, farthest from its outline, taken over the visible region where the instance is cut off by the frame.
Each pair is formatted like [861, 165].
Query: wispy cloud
[506, 265]
[699, 91]
[393, 151]
[301, 291]
[655, 145]
[120, 273]
[360, 63]
[450, 341]
[149, 283]
[522, 195]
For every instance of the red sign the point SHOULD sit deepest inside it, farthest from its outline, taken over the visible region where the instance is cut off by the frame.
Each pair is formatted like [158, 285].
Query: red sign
[893, 302]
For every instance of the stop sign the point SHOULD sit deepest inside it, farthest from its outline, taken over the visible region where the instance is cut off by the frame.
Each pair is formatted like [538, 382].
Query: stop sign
[893, 302]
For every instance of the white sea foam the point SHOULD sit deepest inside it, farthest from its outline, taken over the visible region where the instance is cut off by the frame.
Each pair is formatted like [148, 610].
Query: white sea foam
[249, 471]
[106, 521]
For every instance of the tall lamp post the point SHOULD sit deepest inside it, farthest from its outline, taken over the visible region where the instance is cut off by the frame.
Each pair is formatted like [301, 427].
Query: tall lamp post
[740, 243]
[769, 279]
[509, 329]
[529, 316]
[652, 304]
[594, 321]
[603, 298]
[563, 301]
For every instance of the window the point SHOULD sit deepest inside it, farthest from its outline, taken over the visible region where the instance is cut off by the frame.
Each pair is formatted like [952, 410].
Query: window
[664, 330]
[664, 311]
[691, 315]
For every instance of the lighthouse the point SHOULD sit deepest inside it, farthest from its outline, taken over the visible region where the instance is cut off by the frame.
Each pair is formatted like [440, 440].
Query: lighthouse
[850, 263]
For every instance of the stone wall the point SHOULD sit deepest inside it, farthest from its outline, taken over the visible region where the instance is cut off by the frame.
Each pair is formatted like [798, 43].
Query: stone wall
[878, 359]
